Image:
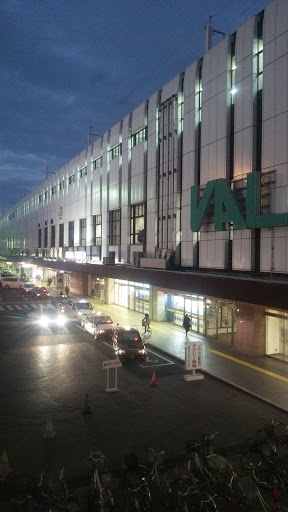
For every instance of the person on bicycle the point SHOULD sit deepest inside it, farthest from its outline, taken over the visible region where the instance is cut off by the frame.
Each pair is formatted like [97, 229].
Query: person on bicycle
[146, 322]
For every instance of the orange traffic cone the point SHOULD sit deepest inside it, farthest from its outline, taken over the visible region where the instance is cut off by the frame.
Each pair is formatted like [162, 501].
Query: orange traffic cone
[5, 468]
[49, 430]
[153, 380]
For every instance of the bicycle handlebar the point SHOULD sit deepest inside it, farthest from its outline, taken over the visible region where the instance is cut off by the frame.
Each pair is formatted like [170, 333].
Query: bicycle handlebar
[21, 502]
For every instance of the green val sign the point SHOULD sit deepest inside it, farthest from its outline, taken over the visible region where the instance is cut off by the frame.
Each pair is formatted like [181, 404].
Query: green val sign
[226, 207]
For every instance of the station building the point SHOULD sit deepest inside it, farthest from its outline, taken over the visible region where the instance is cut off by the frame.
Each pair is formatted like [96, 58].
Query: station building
[181, 207]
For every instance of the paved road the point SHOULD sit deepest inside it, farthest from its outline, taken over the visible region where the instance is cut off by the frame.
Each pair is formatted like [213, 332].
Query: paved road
[46, 376]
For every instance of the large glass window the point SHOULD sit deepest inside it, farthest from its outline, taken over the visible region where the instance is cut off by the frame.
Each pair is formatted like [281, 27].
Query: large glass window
[97, 229]
[82, 232]
[61, 235]
[137, 223]
[39, 238]
[71, 234]
[53, 236]
[46, 237]
[114, 227]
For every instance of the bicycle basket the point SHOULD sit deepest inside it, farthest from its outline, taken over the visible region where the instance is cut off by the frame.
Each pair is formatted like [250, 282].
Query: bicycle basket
[98, 460]
[216, 462]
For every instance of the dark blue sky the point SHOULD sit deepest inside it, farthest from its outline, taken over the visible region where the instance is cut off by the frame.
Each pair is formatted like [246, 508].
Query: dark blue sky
[67, 65]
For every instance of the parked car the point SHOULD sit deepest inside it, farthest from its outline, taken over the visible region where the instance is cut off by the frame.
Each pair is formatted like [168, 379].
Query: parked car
[128, 344]
[80, 308]
[98, 324]
[12, 282]
[40, 292]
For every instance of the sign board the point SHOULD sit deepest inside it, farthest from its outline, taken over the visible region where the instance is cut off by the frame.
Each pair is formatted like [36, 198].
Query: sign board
[113, 363]
[193, 355]
[219, 195]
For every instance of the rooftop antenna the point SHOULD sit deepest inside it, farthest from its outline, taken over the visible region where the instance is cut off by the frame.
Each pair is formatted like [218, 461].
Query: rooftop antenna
[209, 33]
[90, 135]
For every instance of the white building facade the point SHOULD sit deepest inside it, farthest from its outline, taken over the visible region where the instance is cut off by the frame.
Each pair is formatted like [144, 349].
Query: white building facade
[196, 177]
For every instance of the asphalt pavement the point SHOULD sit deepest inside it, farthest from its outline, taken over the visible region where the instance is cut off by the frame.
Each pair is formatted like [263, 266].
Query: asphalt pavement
[47, 377]
[265, 378]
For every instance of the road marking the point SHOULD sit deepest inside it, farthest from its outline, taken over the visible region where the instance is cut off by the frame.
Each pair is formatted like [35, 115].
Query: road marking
[1, 308]
[9, 307]
[18, 307]
[252, 366]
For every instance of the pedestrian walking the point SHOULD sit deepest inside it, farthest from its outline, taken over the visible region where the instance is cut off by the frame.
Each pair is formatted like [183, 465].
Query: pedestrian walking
[186, 323]
[67, 290]
[146, 322]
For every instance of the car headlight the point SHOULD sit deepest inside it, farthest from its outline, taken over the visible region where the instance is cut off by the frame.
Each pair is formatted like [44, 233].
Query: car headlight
[142, 352]
[43, 321]
[61, 320]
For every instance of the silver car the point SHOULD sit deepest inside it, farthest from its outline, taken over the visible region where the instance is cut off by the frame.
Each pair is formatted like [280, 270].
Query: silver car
[99, 325]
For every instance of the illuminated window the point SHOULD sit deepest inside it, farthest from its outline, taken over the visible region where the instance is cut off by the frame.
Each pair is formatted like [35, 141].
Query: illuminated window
[97, 229]
[115, 152]
[83, 172]
[114, 227]
[139, 137]
[97, 163]
[82, 232]
[137, 223]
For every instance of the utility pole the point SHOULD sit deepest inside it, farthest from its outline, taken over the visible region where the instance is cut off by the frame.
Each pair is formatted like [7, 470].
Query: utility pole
[90, 135]
[209, 33]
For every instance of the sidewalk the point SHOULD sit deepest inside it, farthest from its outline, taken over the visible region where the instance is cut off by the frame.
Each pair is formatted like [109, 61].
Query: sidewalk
[262, 377]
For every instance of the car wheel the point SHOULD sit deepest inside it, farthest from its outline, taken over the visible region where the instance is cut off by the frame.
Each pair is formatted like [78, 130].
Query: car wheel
[7, 287]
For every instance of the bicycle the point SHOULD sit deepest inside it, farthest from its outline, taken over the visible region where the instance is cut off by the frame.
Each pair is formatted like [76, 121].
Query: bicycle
[148, 332]
[212, 468]
[137, 491]
[103, 497]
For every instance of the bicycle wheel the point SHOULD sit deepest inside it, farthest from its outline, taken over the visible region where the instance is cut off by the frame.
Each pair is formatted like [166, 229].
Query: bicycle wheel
[265, 478]
[251, 460]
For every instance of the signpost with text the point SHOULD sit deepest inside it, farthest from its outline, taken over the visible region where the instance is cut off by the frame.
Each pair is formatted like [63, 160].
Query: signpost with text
[113, 363]
[193, 360]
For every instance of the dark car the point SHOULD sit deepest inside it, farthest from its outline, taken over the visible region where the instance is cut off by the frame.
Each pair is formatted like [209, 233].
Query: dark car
[40, 292]
[128, 344]
[62, 304]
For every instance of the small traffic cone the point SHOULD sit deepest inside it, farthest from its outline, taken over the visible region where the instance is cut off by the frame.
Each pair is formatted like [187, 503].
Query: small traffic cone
[49, 430]
[86, 409]
[153, 379]
[5, 467]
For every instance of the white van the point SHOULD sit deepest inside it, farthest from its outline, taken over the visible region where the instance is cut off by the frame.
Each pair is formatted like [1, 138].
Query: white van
[12, 282]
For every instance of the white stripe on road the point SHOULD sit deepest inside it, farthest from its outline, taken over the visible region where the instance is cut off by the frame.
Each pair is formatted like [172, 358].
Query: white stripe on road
[18, 307]
[1, 308]
[9, 307]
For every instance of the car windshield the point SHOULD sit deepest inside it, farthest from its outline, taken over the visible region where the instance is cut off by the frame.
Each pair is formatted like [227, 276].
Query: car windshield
[83, 305]
[49, 312]
[129, 340]
[102, 320]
